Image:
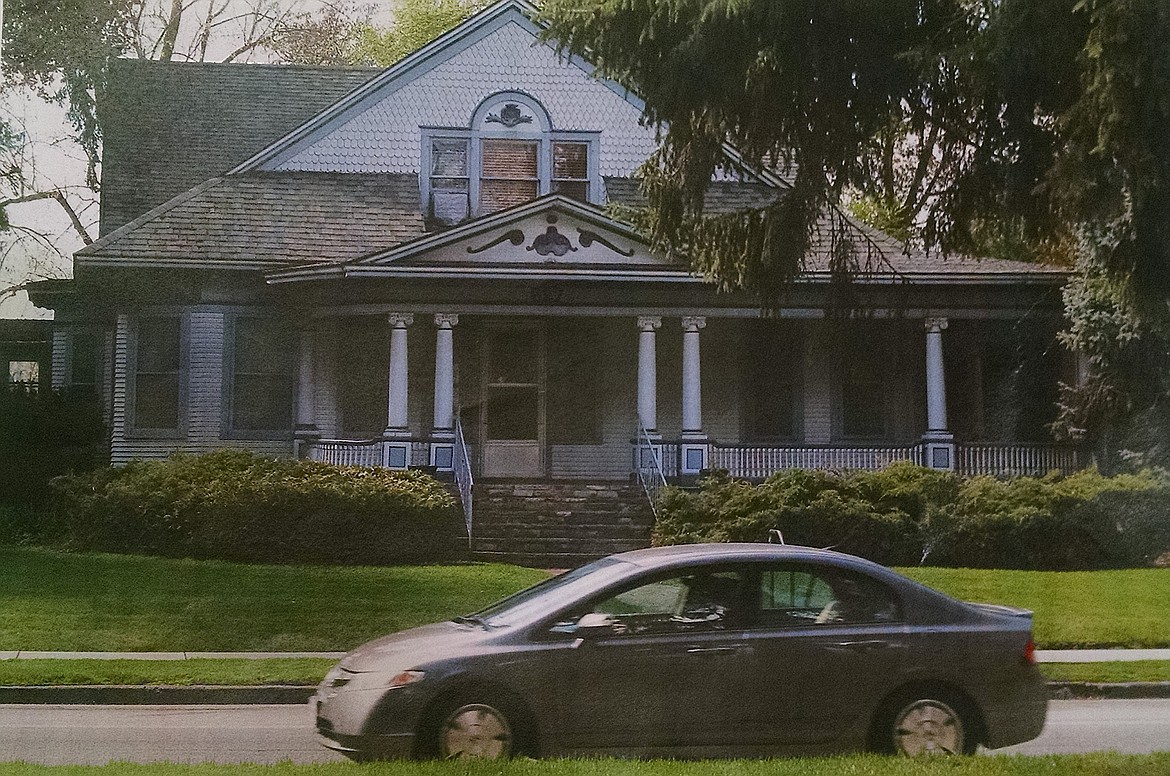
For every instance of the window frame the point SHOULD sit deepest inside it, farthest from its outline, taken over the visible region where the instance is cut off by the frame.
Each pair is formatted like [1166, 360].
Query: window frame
[133, 428]
[545, 138]
[229, 428]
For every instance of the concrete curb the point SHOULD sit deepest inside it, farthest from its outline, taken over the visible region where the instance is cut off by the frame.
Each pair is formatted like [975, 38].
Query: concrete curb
[206, 695]
[128, 695]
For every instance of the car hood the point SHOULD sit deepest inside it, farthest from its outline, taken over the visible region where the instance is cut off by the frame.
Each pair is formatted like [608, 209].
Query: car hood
[413, 647]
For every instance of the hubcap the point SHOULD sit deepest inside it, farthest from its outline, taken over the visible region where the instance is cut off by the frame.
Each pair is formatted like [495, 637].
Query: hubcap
[475, 731]
[928, 727]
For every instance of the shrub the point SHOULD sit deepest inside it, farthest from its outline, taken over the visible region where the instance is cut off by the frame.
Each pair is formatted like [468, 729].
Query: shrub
[235, 505]
[908, 514]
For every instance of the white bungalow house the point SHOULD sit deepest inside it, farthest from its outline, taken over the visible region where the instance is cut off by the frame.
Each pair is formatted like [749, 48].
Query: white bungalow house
[418, 266]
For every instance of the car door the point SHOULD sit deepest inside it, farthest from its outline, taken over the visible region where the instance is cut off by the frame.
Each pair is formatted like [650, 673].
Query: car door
[825, 645]
[656, 680]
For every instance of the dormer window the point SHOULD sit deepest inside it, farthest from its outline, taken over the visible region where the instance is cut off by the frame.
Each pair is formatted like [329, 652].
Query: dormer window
[508, 155]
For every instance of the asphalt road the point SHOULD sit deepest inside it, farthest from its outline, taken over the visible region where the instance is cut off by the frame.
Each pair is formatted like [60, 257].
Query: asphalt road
[57, 735]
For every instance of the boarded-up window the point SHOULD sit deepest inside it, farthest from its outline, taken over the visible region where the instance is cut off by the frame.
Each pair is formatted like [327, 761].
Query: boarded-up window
[157, 370]
[262, 376]
[509, 174]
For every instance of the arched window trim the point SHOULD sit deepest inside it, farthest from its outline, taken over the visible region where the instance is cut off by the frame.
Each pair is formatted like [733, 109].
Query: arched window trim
[479, 129]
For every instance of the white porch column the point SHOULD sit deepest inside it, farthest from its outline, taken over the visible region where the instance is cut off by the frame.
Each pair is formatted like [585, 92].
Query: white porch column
[442, 435]
[694, 442]
[940, 446]
[648, 372]
[397, 455]
[306, 427]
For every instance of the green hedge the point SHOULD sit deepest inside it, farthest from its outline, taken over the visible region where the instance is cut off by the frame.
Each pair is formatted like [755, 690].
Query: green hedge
[235, 505]
[908, 514]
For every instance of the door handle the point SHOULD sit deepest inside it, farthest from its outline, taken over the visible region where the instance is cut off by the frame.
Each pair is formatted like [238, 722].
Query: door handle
[725, 650]
[868, 645]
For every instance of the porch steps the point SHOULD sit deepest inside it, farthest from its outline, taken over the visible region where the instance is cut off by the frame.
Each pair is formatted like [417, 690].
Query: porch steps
[558, 524]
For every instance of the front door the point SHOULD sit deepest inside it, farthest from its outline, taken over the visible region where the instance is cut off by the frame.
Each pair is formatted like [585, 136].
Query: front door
[513, 402]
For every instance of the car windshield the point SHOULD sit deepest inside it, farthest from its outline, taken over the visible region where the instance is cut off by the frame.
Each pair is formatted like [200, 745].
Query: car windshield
[548, 594]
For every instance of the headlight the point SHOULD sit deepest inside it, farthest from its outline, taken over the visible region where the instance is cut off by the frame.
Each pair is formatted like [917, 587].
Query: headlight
[405, 678]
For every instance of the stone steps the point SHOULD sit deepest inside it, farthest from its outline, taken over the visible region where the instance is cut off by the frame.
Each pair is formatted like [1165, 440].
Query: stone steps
[558, 523]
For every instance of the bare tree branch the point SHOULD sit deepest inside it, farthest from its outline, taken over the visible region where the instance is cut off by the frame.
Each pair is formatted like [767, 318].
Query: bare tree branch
[59, 197]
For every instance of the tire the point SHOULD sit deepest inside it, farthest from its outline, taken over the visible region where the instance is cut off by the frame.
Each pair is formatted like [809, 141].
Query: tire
[476, 728]
[923, 725]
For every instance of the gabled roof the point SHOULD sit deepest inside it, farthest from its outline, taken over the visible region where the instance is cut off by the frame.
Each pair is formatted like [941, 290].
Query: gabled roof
[168, 126]
[258, 220]
[403, 72]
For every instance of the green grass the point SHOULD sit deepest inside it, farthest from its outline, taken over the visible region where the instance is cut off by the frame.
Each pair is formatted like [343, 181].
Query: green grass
[1134, 671]
[60, 601]
[1062, 765]
[28, 673]
[1072, 608]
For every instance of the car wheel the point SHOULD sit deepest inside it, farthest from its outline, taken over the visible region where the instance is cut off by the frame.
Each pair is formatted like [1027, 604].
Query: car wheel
[476, 730]
[924, 726]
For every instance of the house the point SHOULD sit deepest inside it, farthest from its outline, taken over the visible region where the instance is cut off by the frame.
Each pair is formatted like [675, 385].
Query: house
[419, 266]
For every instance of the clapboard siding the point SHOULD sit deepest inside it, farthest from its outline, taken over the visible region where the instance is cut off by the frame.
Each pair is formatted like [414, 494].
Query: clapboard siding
[62, 349]
[325, 379]
[205, 378]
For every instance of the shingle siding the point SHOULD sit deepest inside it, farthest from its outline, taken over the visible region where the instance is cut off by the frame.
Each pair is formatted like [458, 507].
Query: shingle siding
[385, 136]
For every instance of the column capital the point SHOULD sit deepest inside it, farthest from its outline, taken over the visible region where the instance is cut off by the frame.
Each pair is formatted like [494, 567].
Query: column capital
[935, 324]
[400, 320]
[446, 320]
[649, 322]
[693, 322]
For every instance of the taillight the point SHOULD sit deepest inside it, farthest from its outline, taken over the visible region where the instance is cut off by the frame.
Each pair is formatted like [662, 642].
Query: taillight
[1030, 653]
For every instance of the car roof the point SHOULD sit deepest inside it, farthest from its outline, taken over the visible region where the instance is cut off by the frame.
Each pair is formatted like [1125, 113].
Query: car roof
[655, 557]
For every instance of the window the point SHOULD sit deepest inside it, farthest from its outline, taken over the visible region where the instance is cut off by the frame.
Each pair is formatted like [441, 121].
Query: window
[263, 360]
[806, 596]
[84, 364]
[24, 374]
[862, 387]
[508, 155]
[576, 382]
[158, 367]
[771, 380]
[700, 601]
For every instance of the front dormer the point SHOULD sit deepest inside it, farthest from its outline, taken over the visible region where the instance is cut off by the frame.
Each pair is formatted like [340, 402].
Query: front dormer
[509, 153]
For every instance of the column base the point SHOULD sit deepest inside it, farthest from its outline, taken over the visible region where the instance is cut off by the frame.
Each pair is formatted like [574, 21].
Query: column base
[443, 450]
[939, 450]
[396, 448]
[693, 452]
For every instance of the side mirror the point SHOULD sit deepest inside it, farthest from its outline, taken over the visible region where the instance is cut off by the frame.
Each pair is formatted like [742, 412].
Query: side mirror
[596, 625]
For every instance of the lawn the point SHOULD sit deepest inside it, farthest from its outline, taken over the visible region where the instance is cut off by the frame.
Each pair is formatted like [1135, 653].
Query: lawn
[61, 601]
[1073, 609]
[860, 765]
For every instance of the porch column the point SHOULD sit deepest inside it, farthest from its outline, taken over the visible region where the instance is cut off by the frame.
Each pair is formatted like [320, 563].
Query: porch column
[648, 373]
[940, 447]
[306, 428]
[396, 455]
[694, 441]
[443, 433]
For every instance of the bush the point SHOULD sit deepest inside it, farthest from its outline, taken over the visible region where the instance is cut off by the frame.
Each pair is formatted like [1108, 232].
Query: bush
[238, 506]
[44, 435]
[908, 514]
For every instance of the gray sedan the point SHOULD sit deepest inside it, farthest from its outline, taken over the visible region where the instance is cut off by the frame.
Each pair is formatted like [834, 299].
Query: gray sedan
[696, 651]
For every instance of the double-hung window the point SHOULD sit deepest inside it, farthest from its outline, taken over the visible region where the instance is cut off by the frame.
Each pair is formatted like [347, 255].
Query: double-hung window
[157, 401]
[508, 155]
[263, 381]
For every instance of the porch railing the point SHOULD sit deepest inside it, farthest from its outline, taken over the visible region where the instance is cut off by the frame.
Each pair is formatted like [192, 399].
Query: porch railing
[648, 464]
[1016, 460]
[348, 452]
[461, 463]
[758, 462]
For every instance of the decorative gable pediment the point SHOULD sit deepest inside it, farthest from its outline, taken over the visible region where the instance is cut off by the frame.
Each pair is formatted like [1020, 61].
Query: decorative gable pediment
[554, 232]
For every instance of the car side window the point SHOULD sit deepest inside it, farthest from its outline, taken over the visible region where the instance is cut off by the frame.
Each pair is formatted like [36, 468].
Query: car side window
[702, 601]
[811, 596]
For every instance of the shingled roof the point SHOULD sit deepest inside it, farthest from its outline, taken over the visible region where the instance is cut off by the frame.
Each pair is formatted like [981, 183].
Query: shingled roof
[169, 126]
[263, 218]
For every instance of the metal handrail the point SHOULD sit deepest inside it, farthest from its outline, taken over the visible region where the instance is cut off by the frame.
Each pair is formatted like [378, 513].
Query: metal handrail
[648, 464]
[461, 464]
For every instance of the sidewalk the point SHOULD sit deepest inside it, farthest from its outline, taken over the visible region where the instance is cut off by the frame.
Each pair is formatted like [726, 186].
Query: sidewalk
[1042, 655]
